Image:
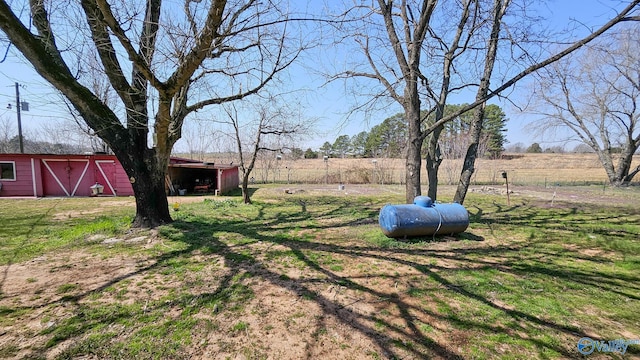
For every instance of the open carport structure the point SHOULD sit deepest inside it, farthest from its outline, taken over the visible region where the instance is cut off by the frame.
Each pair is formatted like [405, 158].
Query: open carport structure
[191, 176]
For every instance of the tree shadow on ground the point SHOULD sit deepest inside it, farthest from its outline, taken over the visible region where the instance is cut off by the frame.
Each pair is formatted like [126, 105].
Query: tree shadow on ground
[199, 235]
[363, 322]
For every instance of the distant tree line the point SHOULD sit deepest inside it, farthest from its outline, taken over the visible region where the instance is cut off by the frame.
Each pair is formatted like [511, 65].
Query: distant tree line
[53, 137]
[536, 148]
[388, 139]
[12, 145]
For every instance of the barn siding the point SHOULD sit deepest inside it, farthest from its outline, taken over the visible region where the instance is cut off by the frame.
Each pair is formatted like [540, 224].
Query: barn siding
[122, 185]
[228, 179]
[69, 176]
[83, 172]
[23, 183]
[38, 189]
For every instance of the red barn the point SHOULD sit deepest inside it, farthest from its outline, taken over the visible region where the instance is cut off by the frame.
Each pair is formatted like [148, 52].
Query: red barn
[74, 175]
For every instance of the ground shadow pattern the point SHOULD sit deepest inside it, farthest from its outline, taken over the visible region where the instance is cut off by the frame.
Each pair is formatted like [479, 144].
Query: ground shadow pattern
[415, 311]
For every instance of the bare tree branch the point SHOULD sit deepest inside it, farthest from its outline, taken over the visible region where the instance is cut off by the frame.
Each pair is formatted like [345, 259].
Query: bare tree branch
[531, 69]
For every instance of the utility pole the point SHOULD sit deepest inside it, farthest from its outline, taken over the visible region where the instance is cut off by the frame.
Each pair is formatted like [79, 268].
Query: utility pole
[18, 106]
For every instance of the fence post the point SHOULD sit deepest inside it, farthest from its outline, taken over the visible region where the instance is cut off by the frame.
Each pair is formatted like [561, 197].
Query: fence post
[506, 179]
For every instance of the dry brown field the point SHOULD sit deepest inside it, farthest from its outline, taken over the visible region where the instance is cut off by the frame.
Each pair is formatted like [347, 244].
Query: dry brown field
[522, 169]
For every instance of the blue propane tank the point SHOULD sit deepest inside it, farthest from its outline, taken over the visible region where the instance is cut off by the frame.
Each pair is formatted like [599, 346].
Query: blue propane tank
[423, 217]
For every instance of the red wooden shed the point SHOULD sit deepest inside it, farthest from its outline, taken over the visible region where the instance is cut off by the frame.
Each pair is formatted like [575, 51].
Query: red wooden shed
[41, 175]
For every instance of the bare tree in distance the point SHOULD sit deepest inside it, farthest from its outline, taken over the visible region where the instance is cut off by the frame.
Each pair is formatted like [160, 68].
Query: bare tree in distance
[61, 131]
[8, 130]
[266, 128]
[583, 149]
[99, 85]
[407, 46]
[516, 148]
[163, 61]
[199, 136]
[74, 130]
[595, 94]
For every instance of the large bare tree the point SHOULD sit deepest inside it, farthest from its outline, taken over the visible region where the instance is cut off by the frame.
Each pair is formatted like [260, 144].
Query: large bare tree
[596, 96]
[422, 51]
[392, 37]
[163, 61]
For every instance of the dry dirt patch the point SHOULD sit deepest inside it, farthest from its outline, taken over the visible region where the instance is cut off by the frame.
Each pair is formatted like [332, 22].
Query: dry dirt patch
[41, 284]
[101, 205]
[295, 313]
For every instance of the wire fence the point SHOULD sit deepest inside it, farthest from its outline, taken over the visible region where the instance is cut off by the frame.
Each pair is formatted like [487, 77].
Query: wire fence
[486, 173]
[541, 170]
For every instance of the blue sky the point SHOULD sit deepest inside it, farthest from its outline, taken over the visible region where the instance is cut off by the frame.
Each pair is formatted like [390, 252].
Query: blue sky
[329, 104]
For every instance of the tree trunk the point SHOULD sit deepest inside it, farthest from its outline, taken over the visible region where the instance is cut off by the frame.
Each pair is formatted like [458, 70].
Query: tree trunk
[413, 162]
[432, 163]
[627, 179]
[414, 146]
[604, 156]
[624, 173]
[152, 207]
[245, 188]
[470, 158]
[147, 176]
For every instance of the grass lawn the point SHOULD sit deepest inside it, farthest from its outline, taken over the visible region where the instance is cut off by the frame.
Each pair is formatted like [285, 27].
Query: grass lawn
[309, 274]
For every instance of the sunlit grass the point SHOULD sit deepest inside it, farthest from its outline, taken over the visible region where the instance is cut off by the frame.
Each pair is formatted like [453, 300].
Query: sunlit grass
[34, 227]
[527, 280]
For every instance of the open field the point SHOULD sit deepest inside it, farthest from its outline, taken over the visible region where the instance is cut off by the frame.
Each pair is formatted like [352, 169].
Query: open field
[308, 274]
[523, 169]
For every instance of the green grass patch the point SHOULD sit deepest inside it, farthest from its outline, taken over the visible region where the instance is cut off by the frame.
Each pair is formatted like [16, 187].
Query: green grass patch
[32, 228]
[66, 288]
[240, 326]
[527, 280]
